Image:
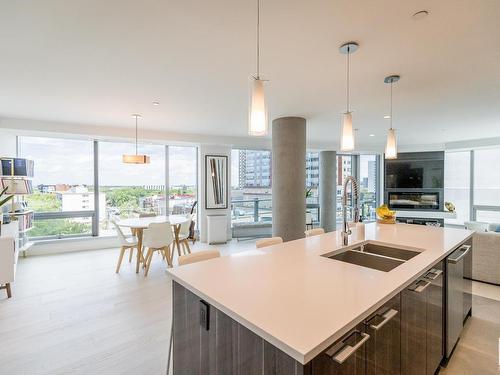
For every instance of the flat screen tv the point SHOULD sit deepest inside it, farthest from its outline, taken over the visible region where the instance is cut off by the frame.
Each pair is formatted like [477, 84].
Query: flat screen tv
[404, 176]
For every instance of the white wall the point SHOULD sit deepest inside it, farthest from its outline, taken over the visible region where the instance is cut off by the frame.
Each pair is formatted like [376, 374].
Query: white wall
[8, 143]
[222, 150]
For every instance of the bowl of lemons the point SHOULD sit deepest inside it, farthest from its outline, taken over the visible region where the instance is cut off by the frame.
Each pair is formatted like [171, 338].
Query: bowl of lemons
[385, 215]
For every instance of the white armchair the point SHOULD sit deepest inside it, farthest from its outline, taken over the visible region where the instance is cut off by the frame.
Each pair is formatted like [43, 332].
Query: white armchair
[8, 256]
[486, 256]
[7, 263]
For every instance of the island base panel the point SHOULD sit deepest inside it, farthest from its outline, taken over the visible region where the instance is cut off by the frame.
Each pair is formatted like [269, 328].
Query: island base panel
[226, 348]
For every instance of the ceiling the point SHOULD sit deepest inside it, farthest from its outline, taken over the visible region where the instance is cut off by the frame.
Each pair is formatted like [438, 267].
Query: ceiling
[97, 62]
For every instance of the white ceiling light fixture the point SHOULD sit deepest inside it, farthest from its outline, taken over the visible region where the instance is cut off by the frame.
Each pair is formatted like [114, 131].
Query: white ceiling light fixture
[391, 147]
[135, 158]
[258, 124]
[347, 132]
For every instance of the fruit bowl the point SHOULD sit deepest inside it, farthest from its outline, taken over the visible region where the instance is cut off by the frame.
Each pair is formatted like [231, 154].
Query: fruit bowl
[385, 215]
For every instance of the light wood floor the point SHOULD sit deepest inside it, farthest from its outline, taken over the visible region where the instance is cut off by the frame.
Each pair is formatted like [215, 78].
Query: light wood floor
[71, 314]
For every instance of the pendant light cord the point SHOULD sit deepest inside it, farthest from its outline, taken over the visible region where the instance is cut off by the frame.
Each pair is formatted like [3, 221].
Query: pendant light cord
[348, 74]
[258, 39]
[136, 134]
[392, 82]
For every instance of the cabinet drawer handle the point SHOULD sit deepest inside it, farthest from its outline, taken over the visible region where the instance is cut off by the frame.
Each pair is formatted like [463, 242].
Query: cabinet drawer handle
[464, 249]
[388, 315]
[420, 286]
[433, 274]
[342, 351]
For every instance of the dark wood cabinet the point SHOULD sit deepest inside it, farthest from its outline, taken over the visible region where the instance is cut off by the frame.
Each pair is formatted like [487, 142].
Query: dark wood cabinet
[225, 348]
[383, 350]
[422, 328]
[345, 357]
[414, 329]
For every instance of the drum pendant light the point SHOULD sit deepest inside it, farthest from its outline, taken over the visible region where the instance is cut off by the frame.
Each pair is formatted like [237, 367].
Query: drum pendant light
[135, 158]
[257, 114]
[347, 133]
[391, 147]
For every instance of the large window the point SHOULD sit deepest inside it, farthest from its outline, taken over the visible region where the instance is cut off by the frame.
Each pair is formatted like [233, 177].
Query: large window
[126, 190]
[251, 186]
[183, 172]
[312, 188]
[368, 179]
[63, 198]
[345, 167]
[365, 168]
[457, 184]
[66, 202]
[475, 193]
[486, 185]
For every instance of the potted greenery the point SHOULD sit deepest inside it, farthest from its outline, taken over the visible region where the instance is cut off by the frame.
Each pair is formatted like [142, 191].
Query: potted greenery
[4, 198]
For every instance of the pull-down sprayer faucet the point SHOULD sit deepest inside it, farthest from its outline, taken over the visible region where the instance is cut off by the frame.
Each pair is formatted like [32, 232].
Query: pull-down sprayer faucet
[355, 200]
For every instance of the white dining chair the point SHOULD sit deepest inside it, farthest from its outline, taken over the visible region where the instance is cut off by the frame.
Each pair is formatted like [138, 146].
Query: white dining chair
[314, 232]
[126, 242]
[268, 242]
[184, 235]
[199, 256]
[158, 237]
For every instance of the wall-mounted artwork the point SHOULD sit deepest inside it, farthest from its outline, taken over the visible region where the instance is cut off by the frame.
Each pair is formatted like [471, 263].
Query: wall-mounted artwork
[216, 181]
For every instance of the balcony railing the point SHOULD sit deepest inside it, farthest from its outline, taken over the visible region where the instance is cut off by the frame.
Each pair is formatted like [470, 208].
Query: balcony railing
[259, 210]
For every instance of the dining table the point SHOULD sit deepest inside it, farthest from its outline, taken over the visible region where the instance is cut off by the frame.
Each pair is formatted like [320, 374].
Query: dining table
[138, 224]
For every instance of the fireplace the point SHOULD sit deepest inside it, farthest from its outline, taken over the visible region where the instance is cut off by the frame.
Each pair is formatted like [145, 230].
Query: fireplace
[414, 200]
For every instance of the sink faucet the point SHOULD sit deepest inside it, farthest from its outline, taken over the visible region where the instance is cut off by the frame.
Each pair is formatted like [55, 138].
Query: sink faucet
[346, 231]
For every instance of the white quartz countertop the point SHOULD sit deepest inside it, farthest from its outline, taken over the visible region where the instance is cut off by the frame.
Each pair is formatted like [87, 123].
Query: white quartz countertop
[302, 302]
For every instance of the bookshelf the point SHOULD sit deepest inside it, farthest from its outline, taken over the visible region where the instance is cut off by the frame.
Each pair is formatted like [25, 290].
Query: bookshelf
[17, 175]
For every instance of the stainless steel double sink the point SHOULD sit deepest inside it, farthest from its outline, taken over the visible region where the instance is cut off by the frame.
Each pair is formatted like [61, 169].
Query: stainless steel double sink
[372, 254]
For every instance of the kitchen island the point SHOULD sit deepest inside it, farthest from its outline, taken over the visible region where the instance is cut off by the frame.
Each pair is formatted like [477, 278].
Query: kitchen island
[288, 305]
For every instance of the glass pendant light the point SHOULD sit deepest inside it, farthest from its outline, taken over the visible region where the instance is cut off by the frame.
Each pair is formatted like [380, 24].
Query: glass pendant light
[391, 147]
[347, 133]
[135, 158]
[257, 115]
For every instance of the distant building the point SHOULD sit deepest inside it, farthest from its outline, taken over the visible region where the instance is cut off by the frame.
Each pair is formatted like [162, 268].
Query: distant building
[372, 176]
[312, 169]
[78, 198]
[46, 189]
[255, 169]
[344, 169]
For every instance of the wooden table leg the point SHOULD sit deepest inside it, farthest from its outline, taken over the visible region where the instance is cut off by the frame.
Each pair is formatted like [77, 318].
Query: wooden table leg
[169, 255]
[177, 229]
[139, 249]
[9, 291]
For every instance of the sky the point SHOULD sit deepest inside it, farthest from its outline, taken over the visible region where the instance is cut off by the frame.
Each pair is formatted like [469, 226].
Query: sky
[68, 161]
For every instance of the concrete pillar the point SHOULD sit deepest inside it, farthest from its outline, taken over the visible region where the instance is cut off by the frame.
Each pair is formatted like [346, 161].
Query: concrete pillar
[328, 190]
[289, 177]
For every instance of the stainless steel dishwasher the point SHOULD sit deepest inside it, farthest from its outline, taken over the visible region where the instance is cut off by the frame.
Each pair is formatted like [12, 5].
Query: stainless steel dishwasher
[455, 295]
[468, 282]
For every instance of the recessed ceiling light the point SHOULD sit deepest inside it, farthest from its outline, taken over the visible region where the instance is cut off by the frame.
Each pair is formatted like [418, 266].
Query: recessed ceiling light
[156, 103]
[372, 135]
[387, 116]
[420, 14]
